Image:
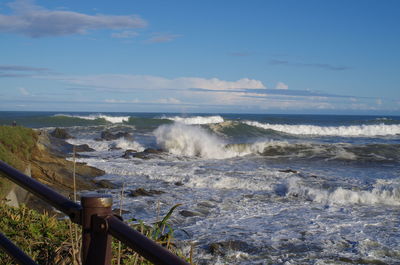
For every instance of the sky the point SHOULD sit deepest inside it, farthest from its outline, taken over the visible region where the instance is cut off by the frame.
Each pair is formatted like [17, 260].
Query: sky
[208, 56]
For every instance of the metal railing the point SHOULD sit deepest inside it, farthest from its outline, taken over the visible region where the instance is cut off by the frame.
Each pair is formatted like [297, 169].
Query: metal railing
[98, 225]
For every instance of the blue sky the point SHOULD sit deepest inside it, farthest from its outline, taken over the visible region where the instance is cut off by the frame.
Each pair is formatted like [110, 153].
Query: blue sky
[259, 56]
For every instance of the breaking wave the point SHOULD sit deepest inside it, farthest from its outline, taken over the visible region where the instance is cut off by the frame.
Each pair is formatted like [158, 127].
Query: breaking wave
[197, 120]
[354, 130]
[181, 139]
[111, 119]
[195, 141]
[383, 192]
[121, 143]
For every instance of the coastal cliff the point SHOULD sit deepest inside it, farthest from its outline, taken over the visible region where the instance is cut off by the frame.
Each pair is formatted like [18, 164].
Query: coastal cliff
[43, 157]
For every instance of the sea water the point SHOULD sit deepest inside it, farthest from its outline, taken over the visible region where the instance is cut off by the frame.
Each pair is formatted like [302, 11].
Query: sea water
[264, 189]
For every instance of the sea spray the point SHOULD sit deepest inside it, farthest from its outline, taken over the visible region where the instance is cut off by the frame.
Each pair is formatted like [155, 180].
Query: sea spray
[180, 139]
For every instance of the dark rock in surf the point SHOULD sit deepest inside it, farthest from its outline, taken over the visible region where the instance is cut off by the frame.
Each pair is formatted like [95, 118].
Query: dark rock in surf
[289, 171]
[109, 136]
[187, 213]
[61, 134]
[221, 248]
[118, 211]
[142, 192]
[105, 184]
[129, 153]
[83, 148]
[178, 183]
[152, 151]
[146, 154]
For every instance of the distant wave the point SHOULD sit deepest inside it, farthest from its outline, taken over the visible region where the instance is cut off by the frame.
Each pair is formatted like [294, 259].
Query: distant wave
[354, 130]
[195, 141]
[197, 119]
[383, 192]
[111, 119]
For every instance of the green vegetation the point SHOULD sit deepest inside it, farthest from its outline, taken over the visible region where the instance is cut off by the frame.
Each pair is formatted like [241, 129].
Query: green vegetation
[48, 240]
[42, 237]
[16, 145]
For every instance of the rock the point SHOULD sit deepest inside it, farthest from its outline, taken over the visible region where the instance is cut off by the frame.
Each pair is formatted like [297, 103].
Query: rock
[221, 248]
[129, 153]
[289, 171]
[142, 192]
[187, 213]
[117, 211]
[146, 154]
[60, 134]
[152, 151]
[83, 148]
[108, 136]
[178, 183]
[105, 184]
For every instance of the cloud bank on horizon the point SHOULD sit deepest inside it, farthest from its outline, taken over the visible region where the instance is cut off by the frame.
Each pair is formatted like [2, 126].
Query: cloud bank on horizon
[147, 66]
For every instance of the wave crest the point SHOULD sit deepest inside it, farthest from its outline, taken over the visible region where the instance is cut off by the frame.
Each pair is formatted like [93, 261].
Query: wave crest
[111, 119]
[354, 130]
[197, 120]
[383, 192]
[181, 139]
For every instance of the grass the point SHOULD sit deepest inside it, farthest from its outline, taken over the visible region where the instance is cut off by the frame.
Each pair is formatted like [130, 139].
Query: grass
[16, 146]
[47, 240]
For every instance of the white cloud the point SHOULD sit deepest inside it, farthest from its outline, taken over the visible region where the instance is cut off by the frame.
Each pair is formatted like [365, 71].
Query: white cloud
[281, 85]
[35, 21]
[126, 34]
[129, 82]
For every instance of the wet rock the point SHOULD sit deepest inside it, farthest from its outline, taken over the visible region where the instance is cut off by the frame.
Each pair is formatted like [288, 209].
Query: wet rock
[118, 211]
[289, 171]
[129, 153]
[109, 136]
[61, 134]
[206, 204]
[187, 213]
[105, 184]
[83, 148]
[179, 183]
[152, 151]
[142, 192]
[146, 154]
[221, 248]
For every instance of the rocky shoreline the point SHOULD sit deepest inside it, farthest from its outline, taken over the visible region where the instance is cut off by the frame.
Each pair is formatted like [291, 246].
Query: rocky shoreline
[48, 164]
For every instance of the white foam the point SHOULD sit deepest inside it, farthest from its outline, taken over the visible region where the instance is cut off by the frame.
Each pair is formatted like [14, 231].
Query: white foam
[199, 120]
[354, 130]
[122, 143]
[181, 139]
[112, 119]
[382, 193]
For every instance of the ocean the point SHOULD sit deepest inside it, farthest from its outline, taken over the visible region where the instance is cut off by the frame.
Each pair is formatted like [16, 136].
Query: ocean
[254, 189]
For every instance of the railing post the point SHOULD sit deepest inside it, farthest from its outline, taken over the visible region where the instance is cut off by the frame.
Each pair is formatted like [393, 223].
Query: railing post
[96, 241]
